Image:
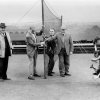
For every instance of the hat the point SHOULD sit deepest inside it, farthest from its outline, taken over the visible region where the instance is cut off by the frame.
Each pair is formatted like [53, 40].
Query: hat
[63, 27]
[2, 25]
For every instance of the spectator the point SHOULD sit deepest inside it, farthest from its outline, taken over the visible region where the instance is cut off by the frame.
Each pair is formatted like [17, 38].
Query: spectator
[5, 51]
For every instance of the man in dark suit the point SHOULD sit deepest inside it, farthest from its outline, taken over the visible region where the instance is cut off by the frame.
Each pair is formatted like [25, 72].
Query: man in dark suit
[64, 49]
[50, 52]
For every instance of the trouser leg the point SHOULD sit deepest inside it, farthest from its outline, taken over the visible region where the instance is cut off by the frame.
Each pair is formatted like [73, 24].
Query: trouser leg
[5, 67]
[34, 63]
[66, 62]
[61, 63]
[50, 64]
[31, 69]
[1, 67]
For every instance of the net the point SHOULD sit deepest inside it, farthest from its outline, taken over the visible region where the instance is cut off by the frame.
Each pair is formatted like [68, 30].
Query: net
[50, 20]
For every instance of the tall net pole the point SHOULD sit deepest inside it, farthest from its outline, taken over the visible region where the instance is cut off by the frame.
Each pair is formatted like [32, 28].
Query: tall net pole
[45, 69]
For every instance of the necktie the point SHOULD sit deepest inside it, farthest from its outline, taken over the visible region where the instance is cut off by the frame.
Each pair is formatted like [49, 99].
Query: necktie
[63, 38]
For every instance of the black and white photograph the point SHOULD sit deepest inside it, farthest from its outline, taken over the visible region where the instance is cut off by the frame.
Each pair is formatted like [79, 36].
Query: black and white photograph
[49, 49]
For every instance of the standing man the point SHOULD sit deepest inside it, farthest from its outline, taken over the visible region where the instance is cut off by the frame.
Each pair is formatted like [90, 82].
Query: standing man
[50, 51]
[32, 47]
[5, 51]
[64, 49]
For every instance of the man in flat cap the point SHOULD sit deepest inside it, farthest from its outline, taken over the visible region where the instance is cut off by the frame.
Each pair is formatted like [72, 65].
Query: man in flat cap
[5, 51]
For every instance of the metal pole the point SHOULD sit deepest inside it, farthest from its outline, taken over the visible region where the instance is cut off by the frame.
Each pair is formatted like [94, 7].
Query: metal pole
[45, 69]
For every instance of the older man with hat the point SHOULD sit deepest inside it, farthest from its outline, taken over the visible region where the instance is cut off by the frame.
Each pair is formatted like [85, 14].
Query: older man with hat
[5, 51]
[64, 49]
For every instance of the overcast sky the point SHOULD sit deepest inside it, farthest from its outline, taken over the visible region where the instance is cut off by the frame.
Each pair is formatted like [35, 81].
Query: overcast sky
[12, 11]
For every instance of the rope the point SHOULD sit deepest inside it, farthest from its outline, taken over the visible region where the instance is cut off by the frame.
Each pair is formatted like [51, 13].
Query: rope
[81, 47]
[84, 49]
[27, 12]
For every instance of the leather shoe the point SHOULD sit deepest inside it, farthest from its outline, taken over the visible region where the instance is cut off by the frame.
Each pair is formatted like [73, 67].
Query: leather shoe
[62, 75]
[6, 79]
[66, 74]
[31, 78]
[95, 73]
[37, 75]
[52, 72]
[50, 75]
[1, 79]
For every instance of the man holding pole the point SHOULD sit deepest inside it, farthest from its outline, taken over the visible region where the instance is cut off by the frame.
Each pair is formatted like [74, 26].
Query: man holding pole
[32, 46]
[50, 51]
[64, 49]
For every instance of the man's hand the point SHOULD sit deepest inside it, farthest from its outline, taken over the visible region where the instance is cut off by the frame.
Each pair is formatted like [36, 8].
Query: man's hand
[71, 53]
[42, 43]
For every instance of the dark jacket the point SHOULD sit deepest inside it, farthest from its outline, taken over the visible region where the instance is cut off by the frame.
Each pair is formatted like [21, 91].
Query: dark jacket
[51, 45]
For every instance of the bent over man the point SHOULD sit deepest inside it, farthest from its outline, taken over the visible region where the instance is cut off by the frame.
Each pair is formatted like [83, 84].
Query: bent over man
[32, 46]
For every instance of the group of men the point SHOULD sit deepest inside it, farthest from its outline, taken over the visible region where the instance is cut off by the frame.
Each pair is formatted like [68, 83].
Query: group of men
[60, 44]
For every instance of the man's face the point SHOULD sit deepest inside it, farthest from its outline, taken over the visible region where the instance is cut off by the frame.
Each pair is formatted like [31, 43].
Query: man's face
[63, 31]
[33, 32]
[98, 42]
[2, 29]
[51, 32]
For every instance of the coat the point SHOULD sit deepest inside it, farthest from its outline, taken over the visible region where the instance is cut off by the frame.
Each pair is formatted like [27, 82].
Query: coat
[31, 44]
[51, 47]
[2, 44]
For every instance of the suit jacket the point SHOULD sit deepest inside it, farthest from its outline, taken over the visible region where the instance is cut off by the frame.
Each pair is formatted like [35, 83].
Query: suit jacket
[51, 45]
[31, 44]
[68, 43]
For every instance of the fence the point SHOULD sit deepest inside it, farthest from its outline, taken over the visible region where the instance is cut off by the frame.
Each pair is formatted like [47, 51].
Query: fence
[78, 48]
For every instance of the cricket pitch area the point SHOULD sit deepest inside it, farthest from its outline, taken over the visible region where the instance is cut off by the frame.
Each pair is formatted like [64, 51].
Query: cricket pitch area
[79, 86]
